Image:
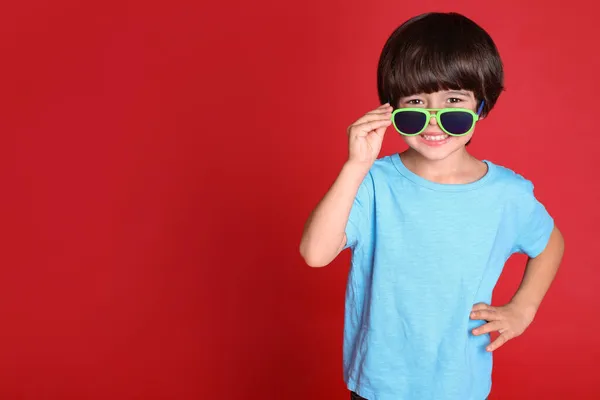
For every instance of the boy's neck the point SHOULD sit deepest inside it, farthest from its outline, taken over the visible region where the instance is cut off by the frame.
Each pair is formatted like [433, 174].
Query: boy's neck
[458, 168]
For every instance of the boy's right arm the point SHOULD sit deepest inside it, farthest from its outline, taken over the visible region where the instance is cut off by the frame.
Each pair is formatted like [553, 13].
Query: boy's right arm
[324, 233]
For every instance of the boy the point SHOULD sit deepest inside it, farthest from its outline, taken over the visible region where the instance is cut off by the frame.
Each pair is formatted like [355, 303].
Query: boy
[431, 228]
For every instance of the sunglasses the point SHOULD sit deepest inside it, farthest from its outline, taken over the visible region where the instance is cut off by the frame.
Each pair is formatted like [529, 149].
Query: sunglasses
[453, 121]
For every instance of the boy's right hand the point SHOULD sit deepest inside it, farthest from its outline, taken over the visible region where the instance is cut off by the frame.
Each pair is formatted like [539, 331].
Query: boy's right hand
[366, 135]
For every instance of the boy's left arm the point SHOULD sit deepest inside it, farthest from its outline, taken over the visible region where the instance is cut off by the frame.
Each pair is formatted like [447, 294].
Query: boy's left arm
[512, 319]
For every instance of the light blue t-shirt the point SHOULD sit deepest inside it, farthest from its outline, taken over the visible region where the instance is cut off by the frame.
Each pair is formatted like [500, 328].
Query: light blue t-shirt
[423, 254]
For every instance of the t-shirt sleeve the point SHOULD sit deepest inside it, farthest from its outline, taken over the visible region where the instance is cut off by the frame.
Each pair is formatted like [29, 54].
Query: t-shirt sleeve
[535, 225]
[357, 228]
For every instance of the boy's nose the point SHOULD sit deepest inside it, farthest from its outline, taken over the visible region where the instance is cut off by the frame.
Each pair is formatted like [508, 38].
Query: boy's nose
[433, 120]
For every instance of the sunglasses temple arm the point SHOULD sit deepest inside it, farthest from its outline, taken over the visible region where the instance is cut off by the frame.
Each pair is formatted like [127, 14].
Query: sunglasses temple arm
[480, 107]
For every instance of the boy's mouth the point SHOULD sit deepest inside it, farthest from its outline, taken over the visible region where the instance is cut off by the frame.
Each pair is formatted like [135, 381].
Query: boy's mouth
[435, 138]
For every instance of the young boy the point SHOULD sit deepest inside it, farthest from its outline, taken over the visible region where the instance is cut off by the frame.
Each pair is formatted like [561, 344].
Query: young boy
[430, 229]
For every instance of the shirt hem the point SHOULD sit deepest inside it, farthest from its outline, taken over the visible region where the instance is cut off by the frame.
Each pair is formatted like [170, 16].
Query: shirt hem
[368, 394]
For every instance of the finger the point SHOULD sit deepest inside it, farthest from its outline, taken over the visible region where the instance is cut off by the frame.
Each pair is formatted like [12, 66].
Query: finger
[499, 342]
[365, 128]
[385, 108]
[373, 117]
[380, 112]
[488, 315]
[487, 328]
[480, 306]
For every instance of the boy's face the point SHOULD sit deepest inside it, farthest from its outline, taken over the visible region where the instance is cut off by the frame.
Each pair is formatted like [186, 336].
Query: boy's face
[434, 144]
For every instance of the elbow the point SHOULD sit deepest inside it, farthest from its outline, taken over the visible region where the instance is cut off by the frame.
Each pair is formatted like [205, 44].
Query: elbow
[315, 263]
[311, 259]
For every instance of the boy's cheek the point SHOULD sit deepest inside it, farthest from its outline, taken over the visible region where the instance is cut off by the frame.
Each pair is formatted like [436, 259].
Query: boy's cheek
[410, 140]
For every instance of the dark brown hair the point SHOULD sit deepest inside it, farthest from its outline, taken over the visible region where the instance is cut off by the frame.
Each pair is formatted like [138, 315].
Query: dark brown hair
[440, 51]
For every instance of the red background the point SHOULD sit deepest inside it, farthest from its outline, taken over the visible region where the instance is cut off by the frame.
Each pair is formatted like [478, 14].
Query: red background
[159, 161]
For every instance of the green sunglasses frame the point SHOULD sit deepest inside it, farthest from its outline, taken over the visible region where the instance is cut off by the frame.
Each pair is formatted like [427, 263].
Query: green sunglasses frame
[438, 113]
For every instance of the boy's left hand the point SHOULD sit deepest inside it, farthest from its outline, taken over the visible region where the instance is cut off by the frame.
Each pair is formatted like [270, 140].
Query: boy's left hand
[509, 320]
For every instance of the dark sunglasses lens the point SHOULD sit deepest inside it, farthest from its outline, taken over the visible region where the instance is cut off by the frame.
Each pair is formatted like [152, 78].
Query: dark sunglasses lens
[410, 122]
[456, 122]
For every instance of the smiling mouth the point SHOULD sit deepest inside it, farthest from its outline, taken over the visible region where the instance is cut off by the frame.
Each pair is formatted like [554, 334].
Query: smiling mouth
[435, 138]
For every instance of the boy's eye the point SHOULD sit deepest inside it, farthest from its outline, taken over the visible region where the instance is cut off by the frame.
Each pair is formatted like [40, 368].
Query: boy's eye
[454, 100]
[414, 101]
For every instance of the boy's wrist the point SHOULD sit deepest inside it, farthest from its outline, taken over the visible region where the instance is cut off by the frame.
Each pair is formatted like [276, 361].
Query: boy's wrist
[526, 307]
[359, 168]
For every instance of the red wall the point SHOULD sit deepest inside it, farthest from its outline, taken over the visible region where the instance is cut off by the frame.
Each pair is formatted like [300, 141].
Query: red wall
[159, 161]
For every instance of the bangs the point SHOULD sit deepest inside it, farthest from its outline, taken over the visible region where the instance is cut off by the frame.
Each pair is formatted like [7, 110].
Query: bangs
[431, 68]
